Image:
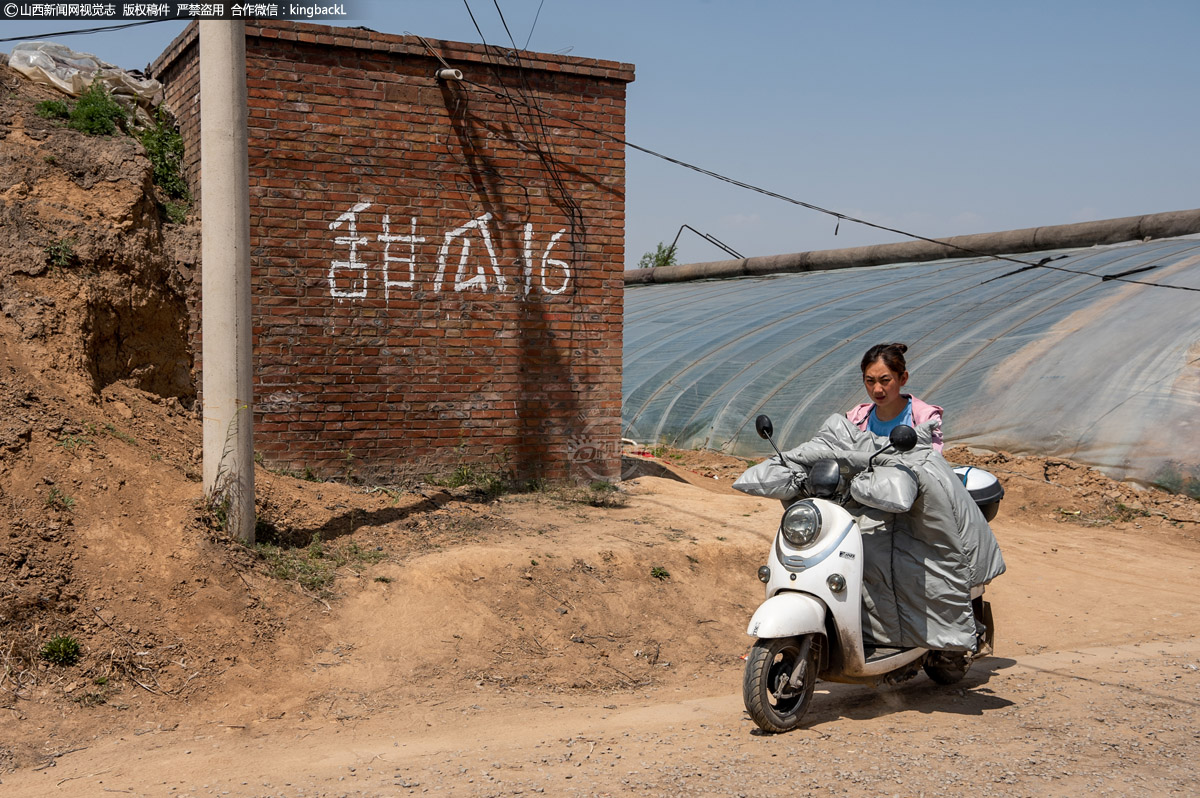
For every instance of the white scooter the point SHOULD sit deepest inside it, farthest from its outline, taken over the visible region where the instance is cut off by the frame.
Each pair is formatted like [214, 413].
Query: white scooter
[810, 625]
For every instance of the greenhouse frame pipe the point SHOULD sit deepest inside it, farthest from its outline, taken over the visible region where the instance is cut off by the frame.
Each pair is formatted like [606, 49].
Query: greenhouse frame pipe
[1010, 242]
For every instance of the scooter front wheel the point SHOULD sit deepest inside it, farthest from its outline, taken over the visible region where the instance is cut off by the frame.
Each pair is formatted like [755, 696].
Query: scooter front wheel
[776, 704]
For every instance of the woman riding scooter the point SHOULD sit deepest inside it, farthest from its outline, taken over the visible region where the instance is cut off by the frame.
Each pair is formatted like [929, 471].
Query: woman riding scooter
[878, 565]
[884, 374]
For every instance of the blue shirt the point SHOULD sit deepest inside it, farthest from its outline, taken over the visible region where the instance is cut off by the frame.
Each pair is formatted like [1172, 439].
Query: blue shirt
[884, 428]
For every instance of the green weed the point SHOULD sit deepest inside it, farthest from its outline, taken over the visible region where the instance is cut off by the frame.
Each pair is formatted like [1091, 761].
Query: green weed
[63, 650]
[604, 494]
[91, 699]
[177, 212]
[598, 493]
[315, 567]
[214, 510]
[119, 435]
[73, 442]
[61, 253]
[52, 109]
[307, 474]
[1179, 478]
[164, 148]
[489, 483]
[57, 500]
[1123, 512]
[660, 573]
[96, 113]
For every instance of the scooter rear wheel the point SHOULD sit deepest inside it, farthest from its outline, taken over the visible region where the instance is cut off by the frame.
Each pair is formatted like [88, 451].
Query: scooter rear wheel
[947, 668]
[773, 703]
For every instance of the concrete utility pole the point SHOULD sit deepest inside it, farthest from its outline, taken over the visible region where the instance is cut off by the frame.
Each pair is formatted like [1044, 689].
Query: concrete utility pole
[225, 275]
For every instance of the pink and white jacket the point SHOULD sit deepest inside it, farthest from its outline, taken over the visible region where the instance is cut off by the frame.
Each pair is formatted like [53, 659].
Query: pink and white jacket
[921, 411]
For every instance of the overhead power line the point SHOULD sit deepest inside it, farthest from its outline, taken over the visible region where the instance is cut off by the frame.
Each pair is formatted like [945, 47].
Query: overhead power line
[538, 111]
[534, 25]
[1042, 264]
[82, 31]
[502, 93]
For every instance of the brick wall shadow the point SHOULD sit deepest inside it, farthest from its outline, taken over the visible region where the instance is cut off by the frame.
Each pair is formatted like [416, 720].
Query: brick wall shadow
[544, 357]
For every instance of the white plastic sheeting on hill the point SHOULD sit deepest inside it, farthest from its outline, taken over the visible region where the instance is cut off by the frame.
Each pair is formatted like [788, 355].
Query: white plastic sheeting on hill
[1042, 361]
[70, 72]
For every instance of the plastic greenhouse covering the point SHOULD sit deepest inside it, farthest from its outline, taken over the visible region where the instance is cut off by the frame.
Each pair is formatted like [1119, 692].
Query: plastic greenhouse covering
[1053, 361]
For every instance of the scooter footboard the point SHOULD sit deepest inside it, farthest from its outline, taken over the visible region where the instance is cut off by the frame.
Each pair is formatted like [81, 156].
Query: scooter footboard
[788, 614]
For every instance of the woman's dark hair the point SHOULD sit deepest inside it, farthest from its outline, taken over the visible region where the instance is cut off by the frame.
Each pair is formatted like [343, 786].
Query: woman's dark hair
[892, 356]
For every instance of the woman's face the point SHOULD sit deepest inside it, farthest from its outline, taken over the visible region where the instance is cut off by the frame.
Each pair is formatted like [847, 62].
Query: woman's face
[883, 385]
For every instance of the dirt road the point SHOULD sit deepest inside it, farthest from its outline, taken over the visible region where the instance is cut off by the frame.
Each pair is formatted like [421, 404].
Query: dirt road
[535, 676]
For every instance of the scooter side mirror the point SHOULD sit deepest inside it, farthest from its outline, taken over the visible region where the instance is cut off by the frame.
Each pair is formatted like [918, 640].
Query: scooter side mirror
[763, 426]
[903, 438]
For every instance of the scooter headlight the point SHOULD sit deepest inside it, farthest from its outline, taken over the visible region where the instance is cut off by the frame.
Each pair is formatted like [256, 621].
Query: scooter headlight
[801, 524]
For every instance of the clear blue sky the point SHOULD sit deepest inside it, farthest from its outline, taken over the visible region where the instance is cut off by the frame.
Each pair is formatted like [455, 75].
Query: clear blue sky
[940, 118]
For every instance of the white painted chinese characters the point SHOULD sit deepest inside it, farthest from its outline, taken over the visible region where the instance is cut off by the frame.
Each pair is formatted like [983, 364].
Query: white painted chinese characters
[351, 278]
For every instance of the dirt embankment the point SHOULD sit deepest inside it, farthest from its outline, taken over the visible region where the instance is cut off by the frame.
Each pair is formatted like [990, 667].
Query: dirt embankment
[399, 640]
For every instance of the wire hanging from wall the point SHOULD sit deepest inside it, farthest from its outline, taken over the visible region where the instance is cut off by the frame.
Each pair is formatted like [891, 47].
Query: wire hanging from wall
[540, 142]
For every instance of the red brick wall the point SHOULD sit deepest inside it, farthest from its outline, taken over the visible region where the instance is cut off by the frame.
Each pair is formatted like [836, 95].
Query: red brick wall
[437, 267]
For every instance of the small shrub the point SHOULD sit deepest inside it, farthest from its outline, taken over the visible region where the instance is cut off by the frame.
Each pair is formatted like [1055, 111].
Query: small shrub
[164, 148]
[96, 113]
[660, 573]
[53, 109]
[62, 651]
[177, 212]
[61, 253]
[661, 256]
